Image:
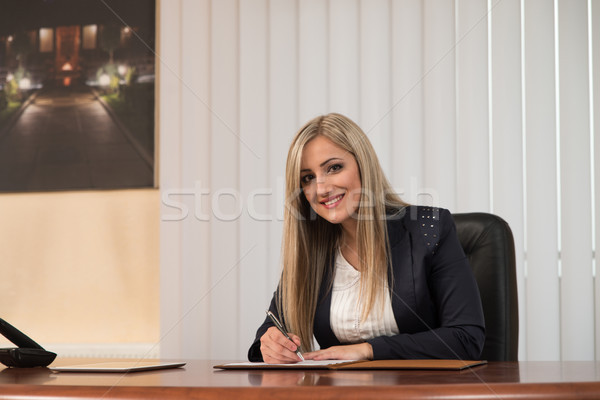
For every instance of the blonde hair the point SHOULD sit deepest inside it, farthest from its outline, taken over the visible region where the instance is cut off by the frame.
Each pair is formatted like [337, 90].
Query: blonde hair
[309, 242]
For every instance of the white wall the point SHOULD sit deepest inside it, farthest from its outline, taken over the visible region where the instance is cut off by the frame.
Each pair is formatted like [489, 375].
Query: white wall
[471, 105]
[79, 270]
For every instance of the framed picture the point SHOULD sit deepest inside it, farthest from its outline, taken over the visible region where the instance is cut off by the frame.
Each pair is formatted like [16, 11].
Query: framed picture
[77, 94]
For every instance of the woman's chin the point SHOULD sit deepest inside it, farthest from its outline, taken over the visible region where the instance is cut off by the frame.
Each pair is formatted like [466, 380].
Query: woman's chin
[334, 218]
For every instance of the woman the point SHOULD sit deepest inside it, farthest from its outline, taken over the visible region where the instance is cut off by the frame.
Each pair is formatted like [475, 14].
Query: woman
[369, 276]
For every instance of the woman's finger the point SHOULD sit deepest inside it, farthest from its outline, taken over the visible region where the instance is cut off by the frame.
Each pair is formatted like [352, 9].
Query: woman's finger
[276, 348]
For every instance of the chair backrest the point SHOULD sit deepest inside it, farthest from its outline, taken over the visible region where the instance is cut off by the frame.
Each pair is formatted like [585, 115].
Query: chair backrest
[489, 245]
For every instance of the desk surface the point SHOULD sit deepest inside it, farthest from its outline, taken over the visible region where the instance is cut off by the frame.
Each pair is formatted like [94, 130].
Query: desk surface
[198, 379]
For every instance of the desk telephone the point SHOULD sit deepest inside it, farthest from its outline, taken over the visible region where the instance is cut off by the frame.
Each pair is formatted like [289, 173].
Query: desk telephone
[28, 353]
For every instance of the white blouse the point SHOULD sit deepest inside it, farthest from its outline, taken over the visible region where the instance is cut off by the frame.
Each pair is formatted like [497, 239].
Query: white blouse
[346, 308]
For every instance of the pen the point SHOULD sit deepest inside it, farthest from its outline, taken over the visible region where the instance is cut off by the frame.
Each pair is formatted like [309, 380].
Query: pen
[280, 327]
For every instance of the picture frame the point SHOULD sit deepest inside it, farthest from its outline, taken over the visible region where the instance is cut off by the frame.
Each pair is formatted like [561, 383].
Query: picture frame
[77, 94]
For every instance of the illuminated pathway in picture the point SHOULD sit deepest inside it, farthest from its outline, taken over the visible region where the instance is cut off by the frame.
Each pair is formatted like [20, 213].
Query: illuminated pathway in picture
[65, 139]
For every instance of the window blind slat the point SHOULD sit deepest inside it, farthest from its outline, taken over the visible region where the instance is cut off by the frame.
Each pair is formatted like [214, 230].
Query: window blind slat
[195, 162]
[507, 137]
[170, 177]
[439, 124]
[407, 98]
[312, 59]
[344, 48]
[254, 190]
[542, 290]
[283, 116]
[595, 47]
[472, 123]
[375, 73]
[577, 316]
[225, 146]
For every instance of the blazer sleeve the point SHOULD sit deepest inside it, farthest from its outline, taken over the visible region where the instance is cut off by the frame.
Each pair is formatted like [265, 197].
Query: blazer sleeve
[460, 329]
[254, 353]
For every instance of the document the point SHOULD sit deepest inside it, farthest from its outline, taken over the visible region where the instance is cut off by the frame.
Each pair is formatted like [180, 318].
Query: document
[360, 364]
[307, 364]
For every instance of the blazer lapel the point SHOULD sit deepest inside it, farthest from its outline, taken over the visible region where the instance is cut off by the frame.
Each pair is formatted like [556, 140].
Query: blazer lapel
[403, 261]
[322, 327]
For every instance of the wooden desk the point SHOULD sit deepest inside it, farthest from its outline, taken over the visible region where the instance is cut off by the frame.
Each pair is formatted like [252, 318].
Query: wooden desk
[524, 380]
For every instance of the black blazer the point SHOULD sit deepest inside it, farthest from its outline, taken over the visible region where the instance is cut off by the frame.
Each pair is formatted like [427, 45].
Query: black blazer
[435, 298]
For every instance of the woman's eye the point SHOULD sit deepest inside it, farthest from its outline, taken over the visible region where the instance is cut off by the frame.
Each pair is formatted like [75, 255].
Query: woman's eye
[306, 179]
[335, 167]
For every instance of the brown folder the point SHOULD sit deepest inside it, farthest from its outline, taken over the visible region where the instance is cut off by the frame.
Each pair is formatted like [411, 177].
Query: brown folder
[455, 365]
[411, 364]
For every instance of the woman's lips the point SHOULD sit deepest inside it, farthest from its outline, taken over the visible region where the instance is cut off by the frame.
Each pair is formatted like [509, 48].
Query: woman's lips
[332, 201]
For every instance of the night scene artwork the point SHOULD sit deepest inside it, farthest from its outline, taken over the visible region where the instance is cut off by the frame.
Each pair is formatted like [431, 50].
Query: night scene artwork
[77, 81]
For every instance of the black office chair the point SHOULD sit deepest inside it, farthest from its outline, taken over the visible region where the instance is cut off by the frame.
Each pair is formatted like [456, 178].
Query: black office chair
[488, 243]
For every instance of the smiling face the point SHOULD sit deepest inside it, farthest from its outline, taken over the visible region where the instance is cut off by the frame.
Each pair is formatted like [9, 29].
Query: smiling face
[330, 180]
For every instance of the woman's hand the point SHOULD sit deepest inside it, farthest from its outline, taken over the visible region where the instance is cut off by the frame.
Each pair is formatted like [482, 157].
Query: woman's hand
[361, 351]
[277, 349]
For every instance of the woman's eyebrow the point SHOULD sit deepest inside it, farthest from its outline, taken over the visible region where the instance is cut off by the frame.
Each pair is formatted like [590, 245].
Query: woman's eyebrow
[323, 163]
[331, 159]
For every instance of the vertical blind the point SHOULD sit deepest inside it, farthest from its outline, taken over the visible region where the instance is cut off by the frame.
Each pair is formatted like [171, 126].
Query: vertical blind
[471, 105]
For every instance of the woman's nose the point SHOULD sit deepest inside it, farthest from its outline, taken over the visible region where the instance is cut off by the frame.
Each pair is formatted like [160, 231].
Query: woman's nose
[323, 186]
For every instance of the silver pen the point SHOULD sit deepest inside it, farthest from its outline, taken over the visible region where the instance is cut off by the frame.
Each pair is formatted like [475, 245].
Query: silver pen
[280, 327]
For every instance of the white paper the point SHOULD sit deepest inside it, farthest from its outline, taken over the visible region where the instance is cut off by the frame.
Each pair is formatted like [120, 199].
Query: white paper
[306, 363]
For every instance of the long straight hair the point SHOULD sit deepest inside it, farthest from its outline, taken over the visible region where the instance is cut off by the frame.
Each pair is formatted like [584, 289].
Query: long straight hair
[309, 242]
